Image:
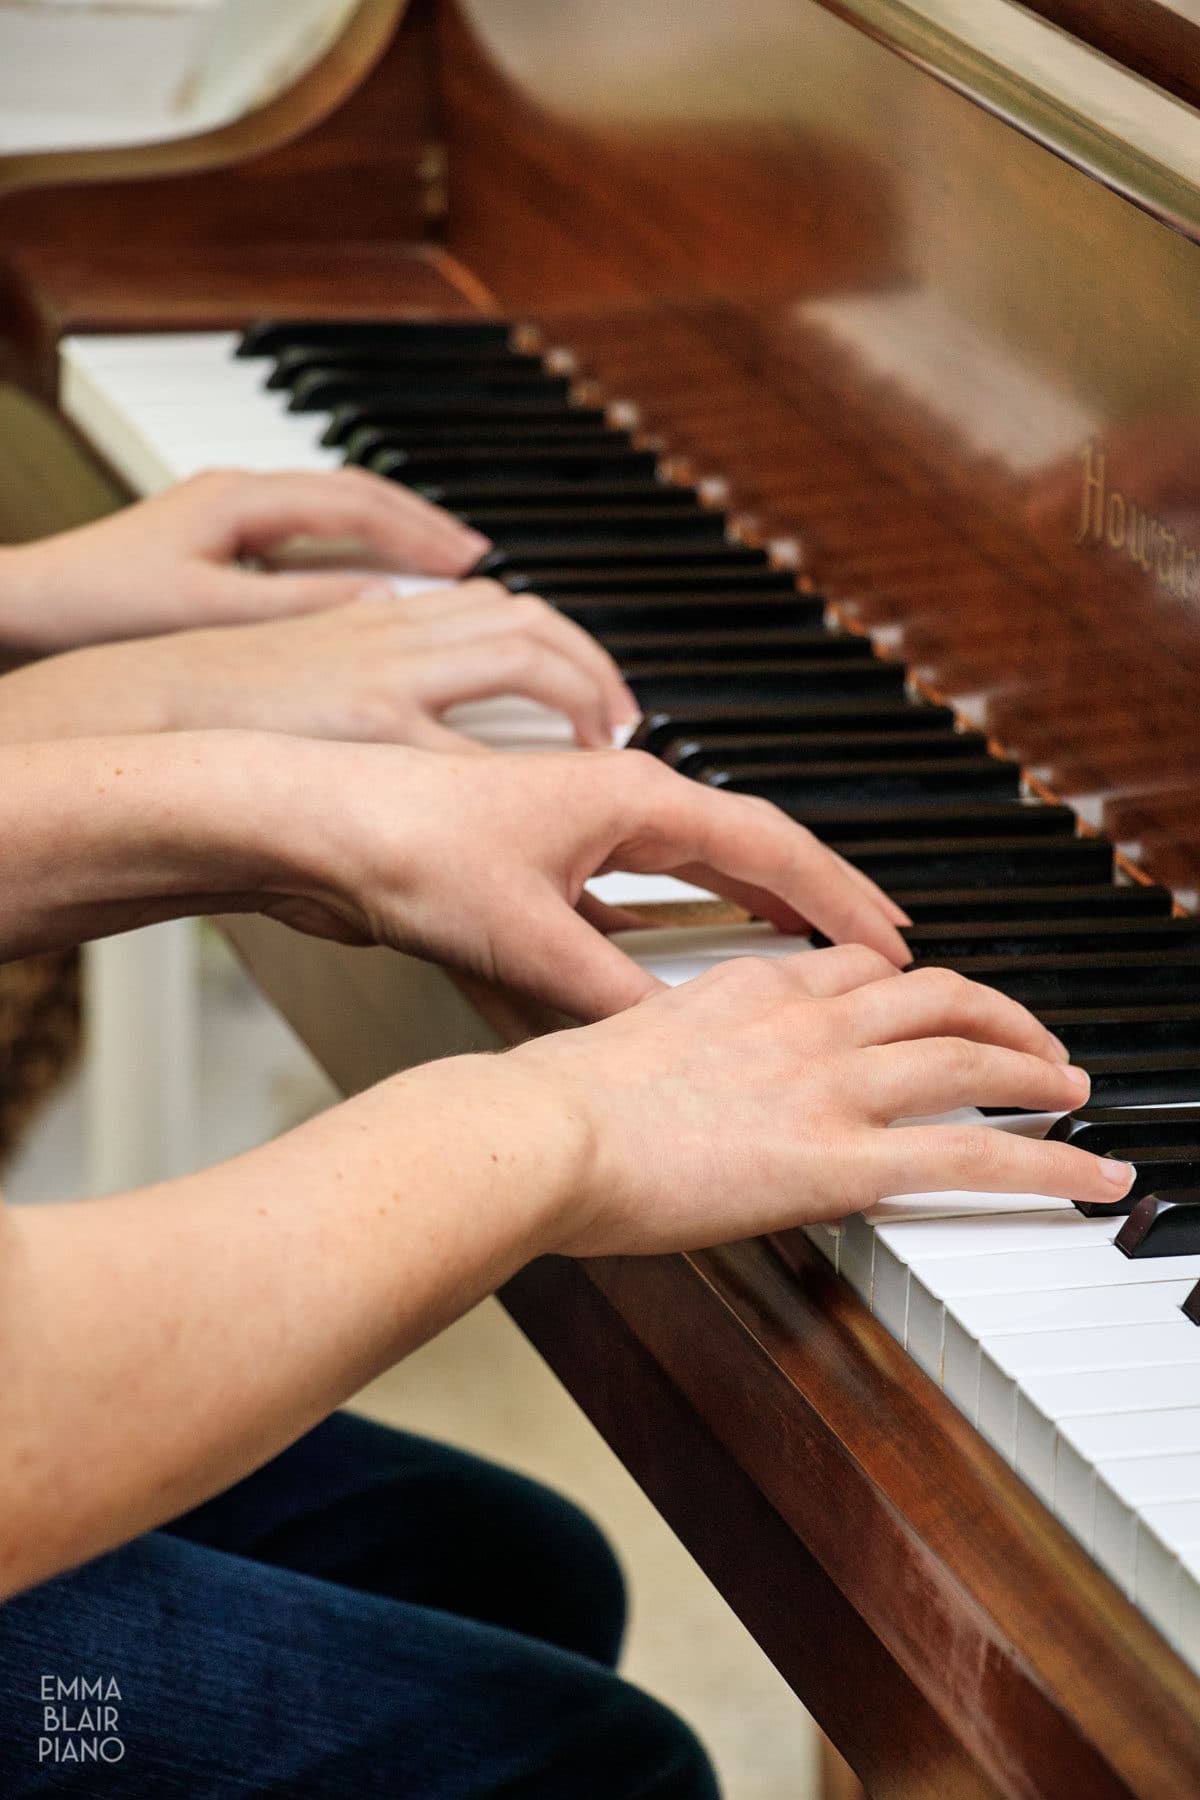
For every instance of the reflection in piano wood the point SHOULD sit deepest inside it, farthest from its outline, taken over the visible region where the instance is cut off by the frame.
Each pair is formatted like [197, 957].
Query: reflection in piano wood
[948, 359]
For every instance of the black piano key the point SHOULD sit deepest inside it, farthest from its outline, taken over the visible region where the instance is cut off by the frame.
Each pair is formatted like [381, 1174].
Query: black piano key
[269, 337]
[564, 436]
[869, 781]
[465, 418]
[549, 568]
[666, 684]
[1162, 1143]
[980, 863]
[671, 613]
[583, 500]
[704, 758]
[1153, 1080]
[503, 464]
[1191, 1306]
[1130, 1030]
[651, 530]
[487, 362]
[661, 728]
[1163, 1225]
[1106, 1130]
[460, 423]
[1008, 937]
[716, 646]
[725, 572]
[1104, 900]
[432, 389]
[1157, 1167]
[914, 822]
[1116, 977]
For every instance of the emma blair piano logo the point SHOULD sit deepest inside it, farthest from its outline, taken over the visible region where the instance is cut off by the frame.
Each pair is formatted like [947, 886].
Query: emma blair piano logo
[80, 1720]
[1109, 517]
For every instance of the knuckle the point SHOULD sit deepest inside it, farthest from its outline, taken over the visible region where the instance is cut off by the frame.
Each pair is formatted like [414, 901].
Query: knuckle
[865, 964]
[959, 1056]
[527, 610]
[979, 1156]
[945, 985]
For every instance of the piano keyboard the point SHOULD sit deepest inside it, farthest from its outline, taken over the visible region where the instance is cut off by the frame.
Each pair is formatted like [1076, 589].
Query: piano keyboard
[1071, 1354]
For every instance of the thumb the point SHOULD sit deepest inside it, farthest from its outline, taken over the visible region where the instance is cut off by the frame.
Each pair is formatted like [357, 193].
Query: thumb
[568, 964]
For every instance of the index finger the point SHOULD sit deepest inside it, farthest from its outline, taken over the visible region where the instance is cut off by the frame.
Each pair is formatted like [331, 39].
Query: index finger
[400, 528]
[759, 849]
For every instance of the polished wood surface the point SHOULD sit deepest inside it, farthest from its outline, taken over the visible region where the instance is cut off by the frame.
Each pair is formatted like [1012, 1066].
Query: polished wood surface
[932, 349]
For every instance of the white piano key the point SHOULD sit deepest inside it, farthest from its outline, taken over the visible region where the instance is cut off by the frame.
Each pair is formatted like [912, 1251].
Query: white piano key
[1140, 1480]
[1036, 1447]
[856, 1258]
[996, 1408]
[1048, 1229]
[1188, 1640]
[1172, 1524]
[1097, 1347]
[1115, 1436]
[1091, 1265]
[960, 1366]
[956, 1203]
[1070, 1309]
[889, 1295]
[1113, 1537]
[1157, 1580]
[676, 956]
[1048, 1406]
[166, 350]
[827, 1239]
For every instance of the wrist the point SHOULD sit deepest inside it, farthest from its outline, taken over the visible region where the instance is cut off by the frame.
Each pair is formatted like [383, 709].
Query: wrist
[31, 622]
[529, 1140]
[107, 691]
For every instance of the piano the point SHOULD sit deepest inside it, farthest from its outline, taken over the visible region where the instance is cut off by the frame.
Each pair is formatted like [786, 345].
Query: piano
[835, 361]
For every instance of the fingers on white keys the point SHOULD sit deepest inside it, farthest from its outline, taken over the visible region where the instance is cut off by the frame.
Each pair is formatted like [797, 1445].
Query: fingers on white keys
[930, 1159]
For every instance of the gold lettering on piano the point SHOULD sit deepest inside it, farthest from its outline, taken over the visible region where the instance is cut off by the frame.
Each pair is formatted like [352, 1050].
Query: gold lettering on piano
[1109, 517]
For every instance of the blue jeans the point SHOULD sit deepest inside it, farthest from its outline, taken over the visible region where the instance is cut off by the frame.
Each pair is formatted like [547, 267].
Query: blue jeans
[369, 1615]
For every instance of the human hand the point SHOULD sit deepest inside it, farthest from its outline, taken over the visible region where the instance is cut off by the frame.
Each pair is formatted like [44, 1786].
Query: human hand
[382, 670]
[178, 560]
[758, 1097]
[480, 862]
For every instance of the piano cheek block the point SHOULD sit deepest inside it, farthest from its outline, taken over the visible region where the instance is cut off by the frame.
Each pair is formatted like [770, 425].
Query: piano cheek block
[1162, 1226]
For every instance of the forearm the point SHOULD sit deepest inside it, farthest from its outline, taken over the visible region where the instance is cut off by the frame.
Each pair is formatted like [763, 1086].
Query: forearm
[158, 1346]
[104, 834]
[109, 690]
[35, 619]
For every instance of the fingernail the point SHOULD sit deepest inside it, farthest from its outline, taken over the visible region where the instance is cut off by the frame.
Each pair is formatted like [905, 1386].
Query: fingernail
[477, 540]
[1080, 1080]
[632, 708]
[1059, 1048]
[1121, 1174]
[377, 590]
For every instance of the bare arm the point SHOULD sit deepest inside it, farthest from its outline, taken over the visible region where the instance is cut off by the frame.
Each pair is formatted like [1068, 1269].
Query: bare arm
[157, 1346]
[381, 670]
[180, 559]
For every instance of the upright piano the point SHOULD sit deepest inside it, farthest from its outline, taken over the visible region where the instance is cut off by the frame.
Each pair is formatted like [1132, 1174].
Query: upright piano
[876, 459]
